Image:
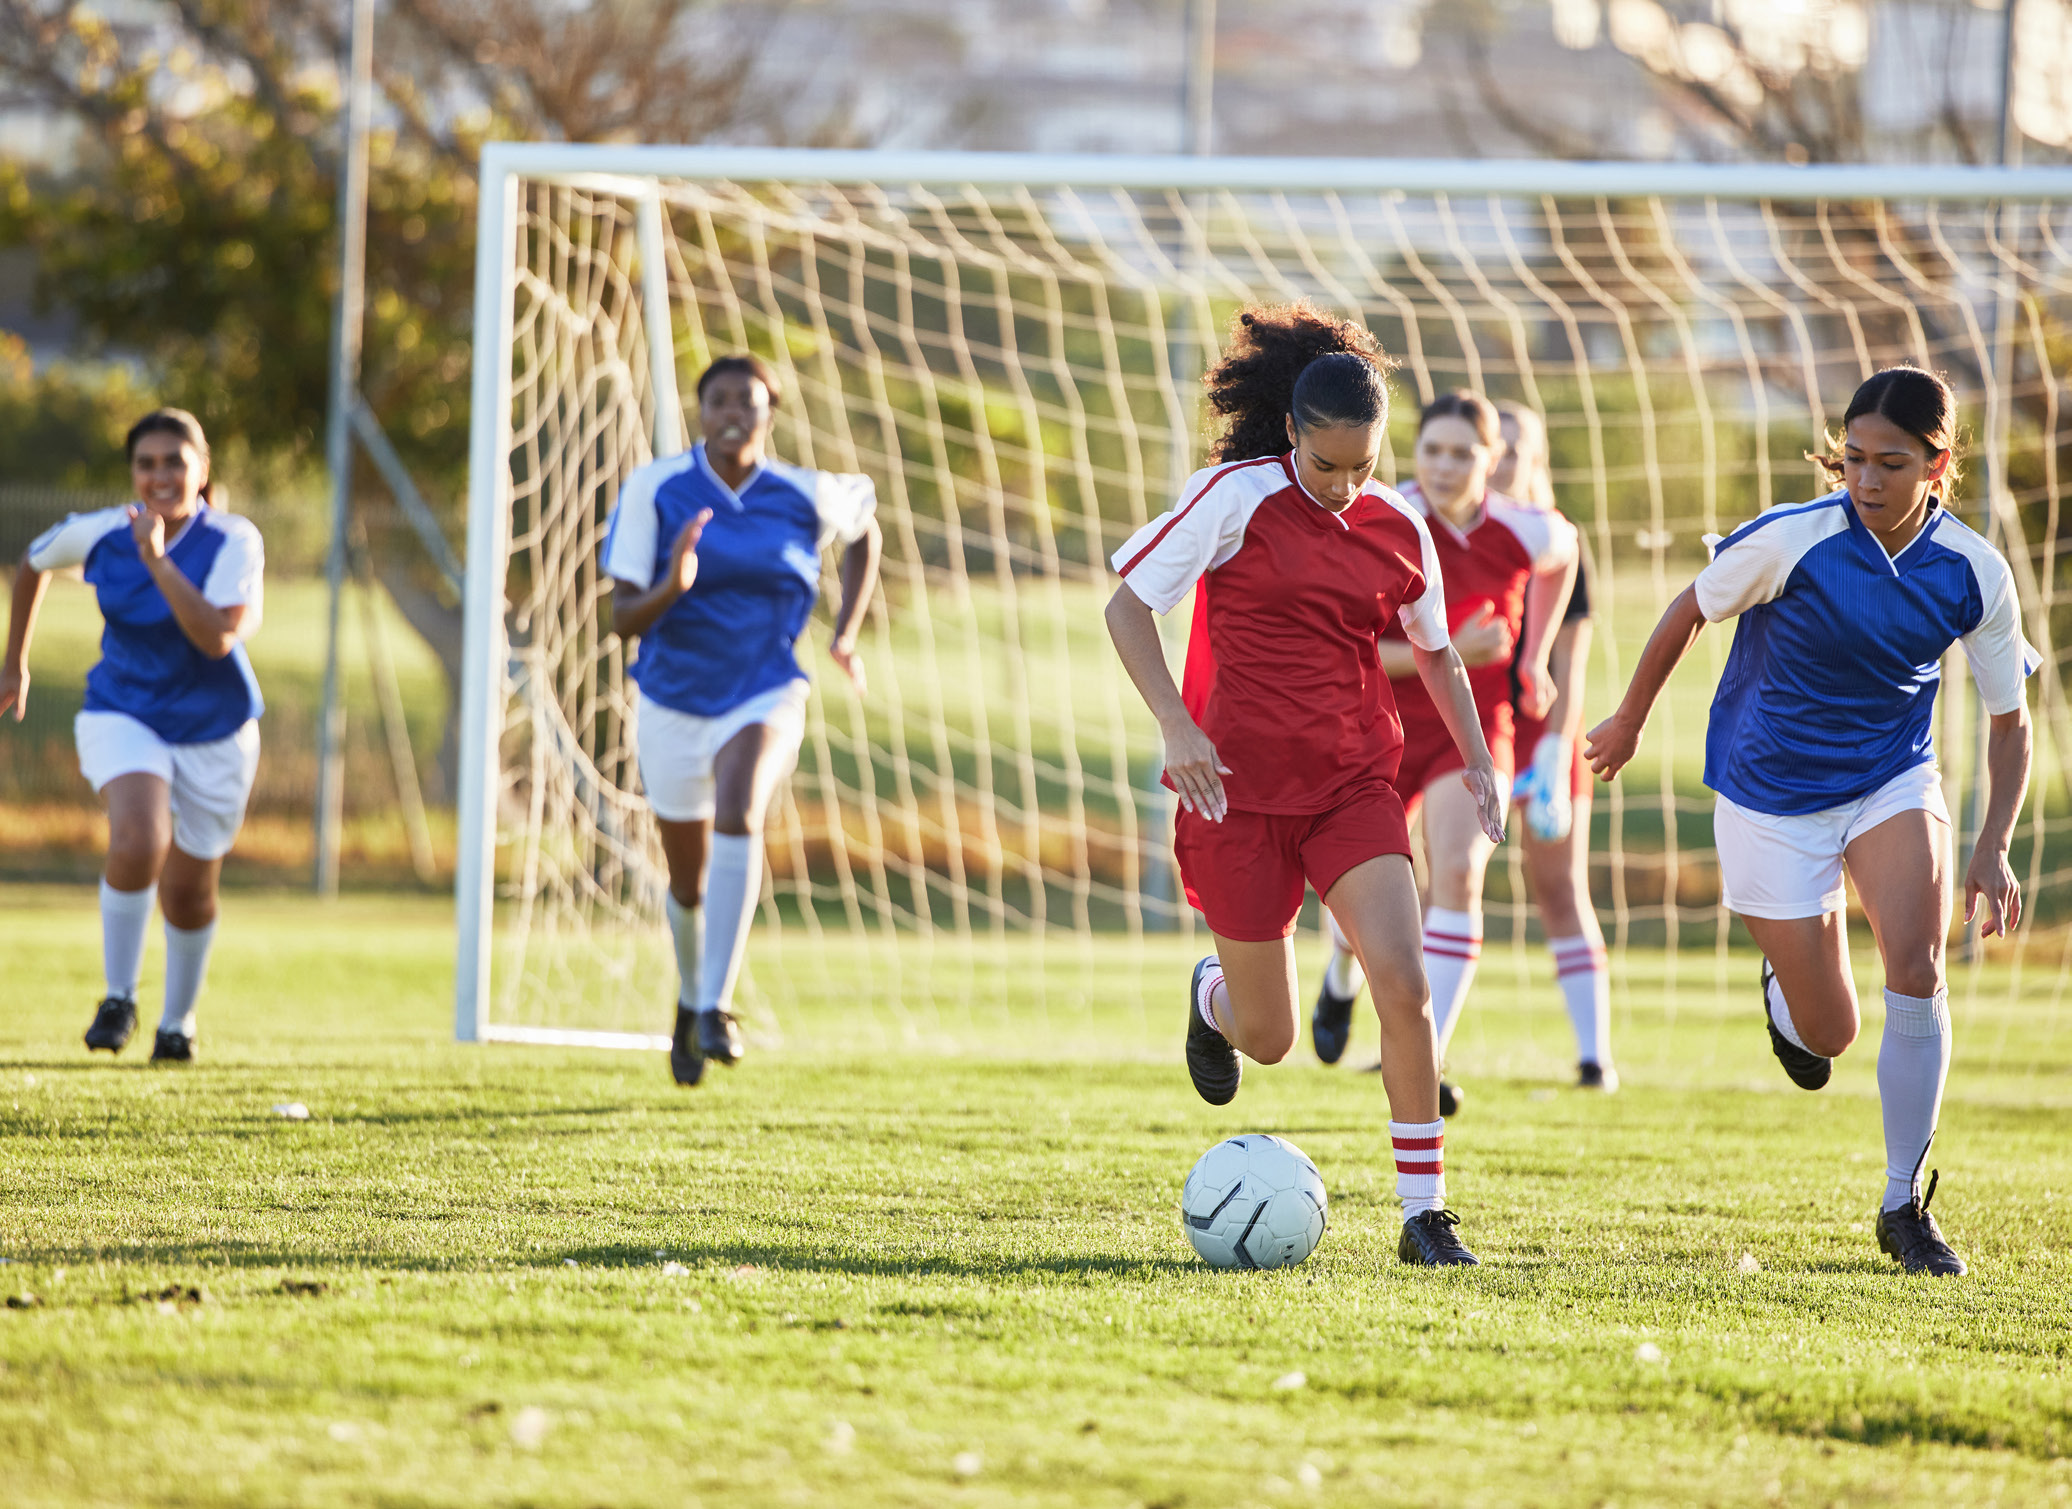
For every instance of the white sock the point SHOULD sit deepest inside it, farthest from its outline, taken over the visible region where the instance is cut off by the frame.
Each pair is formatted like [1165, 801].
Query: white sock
[125, 917]
[1781, 1014]
[686, 925]
[1452, 944]
[1205, 996]
[186, 963]
[1913, 1064]
[1586, 989]
[1420, 1165]
[1343, 976]
[733, 884]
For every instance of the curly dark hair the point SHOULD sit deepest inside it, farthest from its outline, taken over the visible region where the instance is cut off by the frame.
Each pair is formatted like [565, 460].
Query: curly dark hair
[1266, 375]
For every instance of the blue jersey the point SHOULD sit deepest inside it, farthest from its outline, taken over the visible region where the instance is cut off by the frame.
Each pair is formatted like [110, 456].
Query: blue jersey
[1829, 691]
[149, 668]
[731, 636]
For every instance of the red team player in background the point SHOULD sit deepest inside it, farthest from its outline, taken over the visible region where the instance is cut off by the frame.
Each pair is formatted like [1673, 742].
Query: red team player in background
[1507, 570]
[1282, 746]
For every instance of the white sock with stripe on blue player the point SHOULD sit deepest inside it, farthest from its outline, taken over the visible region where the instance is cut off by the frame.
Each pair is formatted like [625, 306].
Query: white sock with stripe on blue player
[1913, 1066]
[125, 919]
[686, 932]
[1452, 947]
[186, 966]
[733, 883]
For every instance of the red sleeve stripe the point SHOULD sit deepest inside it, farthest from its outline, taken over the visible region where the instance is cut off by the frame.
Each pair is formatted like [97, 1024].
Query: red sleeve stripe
[1181, 512]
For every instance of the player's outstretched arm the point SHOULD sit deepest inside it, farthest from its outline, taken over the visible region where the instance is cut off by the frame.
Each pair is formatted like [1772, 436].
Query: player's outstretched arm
[1613, 742]
[1190, 759]
[1446, 679]
[2009, 748]
[859, 580]
[29, 585]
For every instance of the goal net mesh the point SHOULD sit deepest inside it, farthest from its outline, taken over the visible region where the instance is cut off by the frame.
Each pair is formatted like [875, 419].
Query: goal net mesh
[1019, 370]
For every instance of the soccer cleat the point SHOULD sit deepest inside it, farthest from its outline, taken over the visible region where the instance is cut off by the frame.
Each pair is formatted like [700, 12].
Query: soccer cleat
[172, 1048]
[686, 1058]
[1910, 1235]
[1808, 1070]
[719, 1036]
[1591, 1076]
[1331, 1024]
[1212, 1063]
[114, 1020]
[1450, 1098]
[1428, 1242]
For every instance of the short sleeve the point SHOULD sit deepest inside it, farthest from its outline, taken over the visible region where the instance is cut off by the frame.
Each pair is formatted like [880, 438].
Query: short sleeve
[846, 503]
[237, 576]
[2001, 659]
[1547, 537]
[69, 543]
[1749, 567]
[1163, 560]
[629, 542]
[1424, 617]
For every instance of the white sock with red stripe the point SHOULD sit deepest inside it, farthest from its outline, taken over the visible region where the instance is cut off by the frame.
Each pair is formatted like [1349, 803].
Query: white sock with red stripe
[1420, 1165]
[1343, 976]
[1452, 944]
[1586, 988]
[1205, 994]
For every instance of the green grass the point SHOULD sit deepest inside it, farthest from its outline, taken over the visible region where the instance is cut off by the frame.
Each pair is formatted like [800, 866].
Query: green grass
[898, 1255]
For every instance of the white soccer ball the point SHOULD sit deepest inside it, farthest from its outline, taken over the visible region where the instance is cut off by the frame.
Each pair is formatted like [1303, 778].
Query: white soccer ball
[1254, 1201]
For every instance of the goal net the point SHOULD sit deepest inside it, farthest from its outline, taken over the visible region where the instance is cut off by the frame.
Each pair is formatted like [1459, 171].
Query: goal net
[1012, 349]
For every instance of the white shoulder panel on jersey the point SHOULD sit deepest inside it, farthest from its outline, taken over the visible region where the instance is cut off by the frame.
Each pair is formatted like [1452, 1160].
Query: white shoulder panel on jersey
[1751, 565]
[2000, 656]
[1163, 560]
[846, 502]
[629, 541]
[69, 543]
[1423, 618]
[1547, 537]
[237, 576]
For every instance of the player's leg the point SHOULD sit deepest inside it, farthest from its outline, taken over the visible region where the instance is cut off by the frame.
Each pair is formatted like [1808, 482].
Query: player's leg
[1558, 873]
[1248, 994]
[140, 830]
[1456, 858]
[683, 851]
[211, 785]
[1902, 870]
[1377, 904]
[1244, 875]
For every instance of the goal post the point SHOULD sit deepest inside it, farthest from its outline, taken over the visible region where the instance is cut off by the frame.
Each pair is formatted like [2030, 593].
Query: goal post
[1011, 346]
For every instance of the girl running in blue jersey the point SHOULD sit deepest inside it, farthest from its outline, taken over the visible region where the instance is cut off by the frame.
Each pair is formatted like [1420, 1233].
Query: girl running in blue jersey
[1820, 749]
[714, 558]
[170, 733]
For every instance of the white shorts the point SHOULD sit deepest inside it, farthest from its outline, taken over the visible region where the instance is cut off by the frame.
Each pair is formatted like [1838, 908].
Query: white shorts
[1785, 867]
[677, 749]
[210, 783]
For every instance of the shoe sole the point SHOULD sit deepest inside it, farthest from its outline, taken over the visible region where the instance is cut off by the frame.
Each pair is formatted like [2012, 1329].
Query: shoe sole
[1194, 1021]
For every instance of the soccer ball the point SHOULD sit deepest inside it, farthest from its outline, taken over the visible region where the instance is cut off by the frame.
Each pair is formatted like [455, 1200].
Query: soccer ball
[1254, 1201]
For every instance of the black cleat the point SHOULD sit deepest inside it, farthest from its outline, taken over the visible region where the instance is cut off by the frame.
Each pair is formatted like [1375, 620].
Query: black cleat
[1593, 1076]
[1808, 1070]
[1910, 1235]
[1212, 1063]
[172, 1048]
[1450, 1099]
[1331, 1024]
[686, 1058]
[1428, 1241]
[115, 1019]
[718, 1036]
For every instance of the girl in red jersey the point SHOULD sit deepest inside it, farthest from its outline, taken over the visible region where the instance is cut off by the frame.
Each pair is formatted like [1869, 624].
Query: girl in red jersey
[1553, 785]
[1507, 571]
[1283, 742]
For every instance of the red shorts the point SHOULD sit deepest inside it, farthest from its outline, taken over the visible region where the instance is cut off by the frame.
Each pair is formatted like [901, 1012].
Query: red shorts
[1245, 874]
[1528, 740]
[1429, 751]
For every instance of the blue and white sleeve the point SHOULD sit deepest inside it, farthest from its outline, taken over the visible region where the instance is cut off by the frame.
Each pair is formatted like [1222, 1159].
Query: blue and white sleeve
[69, 543]
[2001, 658]
[1752, 565]
[629, 540]
[846, 503]
[237, 578]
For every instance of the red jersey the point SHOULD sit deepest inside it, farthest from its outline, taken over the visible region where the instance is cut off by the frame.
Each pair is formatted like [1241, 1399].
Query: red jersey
[1490, 565]
[1282, 671]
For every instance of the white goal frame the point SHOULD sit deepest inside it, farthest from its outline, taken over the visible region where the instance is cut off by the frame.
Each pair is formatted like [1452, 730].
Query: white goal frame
[631, 171]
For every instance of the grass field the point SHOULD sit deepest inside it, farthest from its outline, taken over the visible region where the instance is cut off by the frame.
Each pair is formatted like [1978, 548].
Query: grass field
[892, 1277]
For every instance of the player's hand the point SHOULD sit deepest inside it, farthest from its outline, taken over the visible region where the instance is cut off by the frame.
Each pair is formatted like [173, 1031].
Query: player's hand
[1536, 690]
[843, 653]
[683, 555]
[14, 692]
[1990, 876]
[1197, 770]
[1484, 638]
[147, 528]
[1611, 745]
[1490, 799]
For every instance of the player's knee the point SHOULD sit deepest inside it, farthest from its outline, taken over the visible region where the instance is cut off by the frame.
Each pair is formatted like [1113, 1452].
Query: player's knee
[1918, 973]
[187, 905]
[137, 843]
[1399, 998]
[736, 819]
[689, 892]
[1272, 1046]
[1831, 1038]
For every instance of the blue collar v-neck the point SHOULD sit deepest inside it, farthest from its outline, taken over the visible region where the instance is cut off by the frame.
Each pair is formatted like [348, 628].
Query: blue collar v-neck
[1874, 551]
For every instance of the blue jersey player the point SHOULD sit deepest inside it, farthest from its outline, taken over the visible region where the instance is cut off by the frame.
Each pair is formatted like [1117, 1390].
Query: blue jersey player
[714, 559]
[1819, 748]
[170, 733]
